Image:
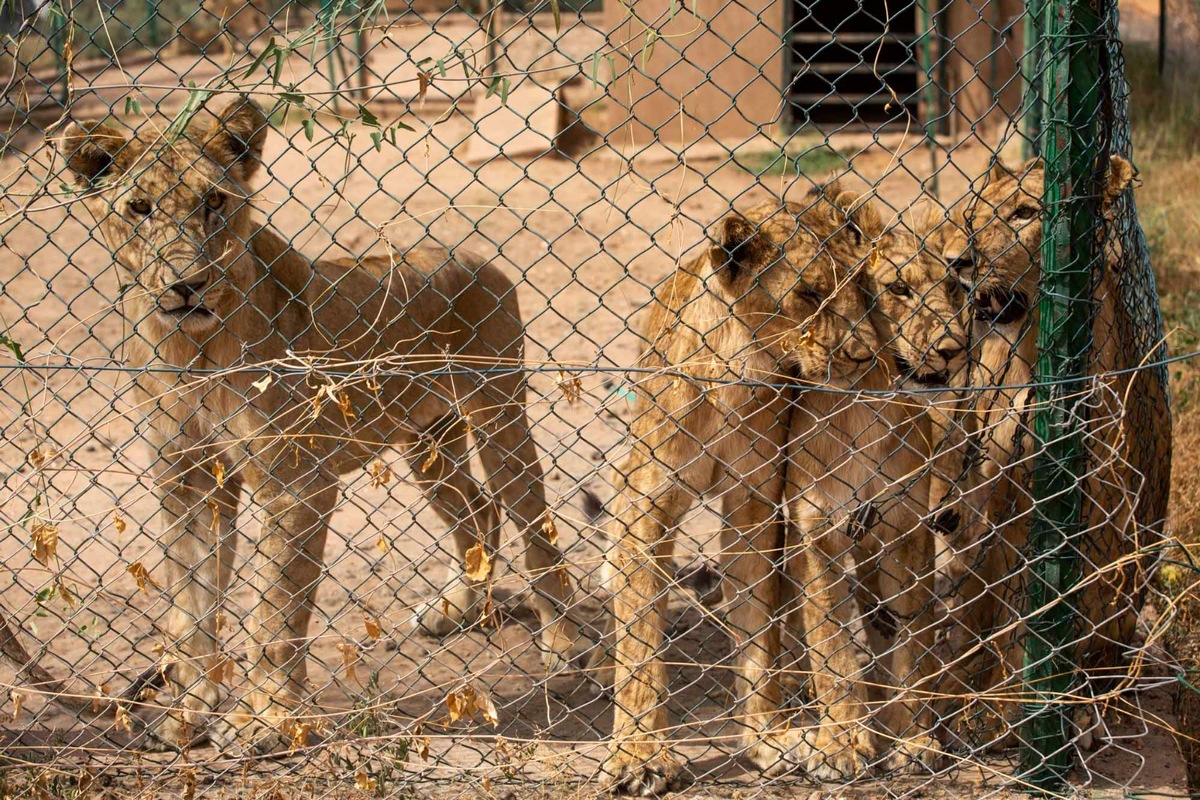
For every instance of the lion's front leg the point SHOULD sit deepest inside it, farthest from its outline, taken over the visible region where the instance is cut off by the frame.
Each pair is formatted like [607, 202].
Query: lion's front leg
[648, 508]
[197, 514]
[288, 565]
[905, 574]
[844, 744]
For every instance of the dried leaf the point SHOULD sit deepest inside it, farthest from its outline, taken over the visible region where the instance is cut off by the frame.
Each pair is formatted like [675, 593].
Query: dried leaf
[549, 528]
[45, 542]
[262, 383]
[461, 703]
[144, 581]
[433, 457]
[381, 473]
[343, 403]
[423, 79]
[218, 471]
[119, 522]
[300, 733]
[67, 596]
[423, 748]
[364, 783]
[189, 783]
[374, 631]
[478, 565]
[220, 668]
[571, 387]
[18, 699]
[98, 696]
[382, 544]
[123, 721]
[488, 709]
[349, 653]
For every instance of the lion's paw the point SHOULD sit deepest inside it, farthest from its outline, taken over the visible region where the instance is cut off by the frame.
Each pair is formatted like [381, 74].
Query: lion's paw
[449, 612]
[779, 752]
[841, 752]
[916, 754]
[640, 770]
[276, 731]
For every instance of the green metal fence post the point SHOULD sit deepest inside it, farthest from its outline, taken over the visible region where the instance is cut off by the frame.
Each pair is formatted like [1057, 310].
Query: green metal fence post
[1071, 136]
[1031, 62]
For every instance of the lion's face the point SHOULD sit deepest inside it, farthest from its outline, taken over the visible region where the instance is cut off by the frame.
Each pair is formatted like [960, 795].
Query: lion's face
[175, 215]
[917, 307]
[789, 276]
[994, 240]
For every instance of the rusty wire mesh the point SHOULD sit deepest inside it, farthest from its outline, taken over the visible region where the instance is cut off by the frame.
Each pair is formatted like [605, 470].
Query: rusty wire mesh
[461, 380]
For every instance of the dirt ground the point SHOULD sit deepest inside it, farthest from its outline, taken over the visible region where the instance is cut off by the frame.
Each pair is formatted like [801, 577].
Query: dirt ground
[586, 240]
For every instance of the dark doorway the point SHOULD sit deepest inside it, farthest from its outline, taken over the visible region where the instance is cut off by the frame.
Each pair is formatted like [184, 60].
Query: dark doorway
[842, 63]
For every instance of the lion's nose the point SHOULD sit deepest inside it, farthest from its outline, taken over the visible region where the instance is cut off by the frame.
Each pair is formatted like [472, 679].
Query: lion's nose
[183, 294]
[949, 348]
[857, 351]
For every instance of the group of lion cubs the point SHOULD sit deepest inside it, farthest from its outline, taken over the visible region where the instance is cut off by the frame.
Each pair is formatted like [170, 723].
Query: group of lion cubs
[789, 302]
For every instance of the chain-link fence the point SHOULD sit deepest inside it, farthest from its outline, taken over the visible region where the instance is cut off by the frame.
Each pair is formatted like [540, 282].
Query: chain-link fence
[538, 399]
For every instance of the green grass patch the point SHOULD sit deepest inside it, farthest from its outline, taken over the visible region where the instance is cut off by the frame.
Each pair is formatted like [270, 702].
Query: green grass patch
[813, 161]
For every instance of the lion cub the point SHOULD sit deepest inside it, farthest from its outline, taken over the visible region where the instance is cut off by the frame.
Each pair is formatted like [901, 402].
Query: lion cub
[771, 306]
[232, 326]
[858, 483]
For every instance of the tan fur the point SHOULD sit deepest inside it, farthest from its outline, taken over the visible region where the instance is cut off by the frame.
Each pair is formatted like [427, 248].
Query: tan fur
[176, 214]
[995, 242]
[862, 460]
[773, 299]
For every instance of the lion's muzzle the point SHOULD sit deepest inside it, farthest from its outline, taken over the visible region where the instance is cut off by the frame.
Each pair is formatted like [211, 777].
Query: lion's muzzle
[184, 298]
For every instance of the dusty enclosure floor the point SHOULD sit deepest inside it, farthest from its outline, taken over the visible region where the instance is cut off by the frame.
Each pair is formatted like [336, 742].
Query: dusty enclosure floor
[586, 241]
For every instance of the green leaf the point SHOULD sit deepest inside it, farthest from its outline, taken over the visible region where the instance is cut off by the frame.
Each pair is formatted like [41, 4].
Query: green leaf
[596, 70]
[499, 86]
[400, 126]
[132, 107]
[278, 70]
[377, 138]
[648, 47]
[31, 510]
[310, 126]
[196, 99]
[295, 98]
[367, 117]
[557, 16]
[262, 57]
[11, 344]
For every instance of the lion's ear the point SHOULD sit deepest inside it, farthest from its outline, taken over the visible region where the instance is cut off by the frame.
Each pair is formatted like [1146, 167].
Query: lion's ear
[861, 214]
[1035, 164]
[235, 137]
[926, 217]
[737, 248]
[90, 149]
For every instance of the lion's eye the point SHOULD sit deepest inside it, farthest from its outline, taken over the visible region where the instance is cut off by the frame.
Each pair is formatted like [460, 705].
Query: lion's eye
[139, 207]
[900, 289]
[215, 201]
[1024, 213]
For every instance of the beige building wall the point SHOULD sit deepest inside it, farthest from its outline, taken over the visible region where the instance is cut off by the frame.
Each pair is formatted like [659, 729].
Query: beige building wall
[717, 75]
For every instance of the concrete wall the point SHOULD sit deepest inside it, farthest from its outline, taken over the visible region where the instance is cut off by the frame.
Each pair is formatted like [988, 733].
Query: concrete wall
[717, 75]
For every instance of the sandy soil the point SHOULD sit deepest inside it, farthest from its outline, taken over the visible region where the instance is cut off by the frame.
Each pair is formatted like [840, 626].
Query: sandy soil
[586, 240]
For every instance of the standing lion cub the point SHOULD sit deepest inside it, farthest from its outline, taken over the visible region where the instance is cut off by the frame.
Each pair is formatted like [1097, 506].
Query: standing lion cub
[216, 300]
